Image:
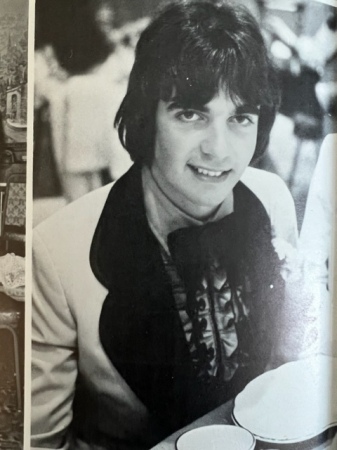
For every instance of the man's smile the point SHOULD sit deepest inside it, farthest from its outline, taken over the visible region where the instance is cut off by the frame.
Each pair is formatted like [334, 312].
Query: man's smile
[209, 173]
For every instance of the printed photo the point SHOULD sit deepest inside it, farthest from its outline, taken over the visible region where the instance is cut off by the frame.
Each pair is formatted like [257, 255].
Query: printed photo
[183, 209]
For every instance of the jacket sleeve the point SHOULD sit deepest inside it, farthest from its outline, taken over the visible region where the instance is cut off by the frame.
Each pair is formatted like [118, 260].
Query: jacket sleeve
[54, 362]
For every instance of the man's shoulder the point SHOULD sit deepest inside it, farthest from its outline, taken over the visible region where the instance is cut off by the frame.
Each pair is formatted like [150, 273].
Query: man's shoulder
[78, 218]
[277, 200]
[254, 178]
[265, 185]
[272, 192]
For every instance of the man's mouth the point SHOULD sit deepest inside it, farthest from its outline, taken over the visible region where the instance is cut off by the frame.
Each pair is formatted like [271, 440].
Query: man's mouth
[208, 172]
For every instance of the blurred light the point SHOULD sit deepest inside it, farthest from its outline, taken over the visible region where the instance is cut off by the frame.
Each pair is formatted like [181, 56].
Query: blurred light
[328, 2]
[283, 5]
[280, 50]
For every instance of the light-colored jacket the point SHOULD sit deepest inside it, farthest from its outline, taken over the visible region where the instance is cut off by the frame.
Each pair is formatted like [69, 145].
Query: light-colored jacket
[67, 302]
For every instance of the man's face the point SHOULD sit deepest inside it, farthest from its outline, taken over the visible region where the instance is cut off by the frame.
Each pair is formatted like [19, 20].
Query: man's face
[201, 153]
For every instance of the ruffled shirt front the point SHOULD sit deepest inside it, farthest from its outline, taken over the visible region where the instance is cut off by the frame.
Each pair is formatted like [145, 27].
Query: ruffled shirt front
[211, 319]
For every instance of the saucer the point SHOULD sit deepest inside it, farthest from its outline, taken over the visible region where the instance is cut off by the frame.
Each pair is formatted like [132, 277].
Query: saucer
[290, 404]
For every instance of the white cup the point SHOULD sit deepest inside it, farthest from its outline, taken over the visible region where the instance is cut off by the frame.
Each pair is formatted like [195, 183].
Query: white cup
[216, 437]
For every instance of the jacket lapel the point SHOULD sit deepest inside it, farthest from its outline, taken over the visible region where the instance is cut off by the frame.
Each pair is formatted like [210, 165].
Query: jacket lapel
[260, 269]
[140, 328]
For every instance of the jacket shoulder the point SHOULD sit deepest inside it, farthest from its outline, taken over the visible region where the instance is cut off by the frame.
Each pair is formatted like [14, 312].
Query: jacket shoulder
[268, 187]
[277, 200]
[261, 182]
[76, 219]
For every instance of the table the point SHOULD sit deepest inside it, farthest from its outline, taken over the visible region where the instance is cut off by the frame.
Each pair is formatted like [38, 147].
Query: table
[222, 415]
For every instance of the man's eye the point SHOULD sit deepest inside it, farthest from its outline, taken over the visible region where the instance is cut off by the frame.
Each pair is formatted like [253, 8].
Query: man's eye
[243, 119]
[188, 116]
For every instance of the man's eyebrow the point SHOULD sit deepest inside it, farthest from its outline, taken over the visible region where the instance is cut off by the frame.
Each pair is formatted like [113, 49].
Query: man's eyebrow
[176, 104]
[247, 109]
[244, 108]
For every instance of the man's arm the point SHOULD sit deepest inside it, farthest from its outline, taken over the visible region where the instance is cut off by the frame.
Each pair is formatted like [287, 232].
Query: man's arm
[54, 363]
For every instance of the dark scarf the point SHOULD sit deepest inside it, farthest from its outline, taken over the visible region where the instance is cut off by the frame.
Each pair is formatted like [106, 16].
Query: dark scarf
[140, 328]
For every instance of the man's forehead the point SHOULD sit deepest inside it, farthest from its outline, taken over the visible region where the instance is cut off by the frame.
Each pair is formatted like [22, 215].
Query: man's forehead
[237, 104]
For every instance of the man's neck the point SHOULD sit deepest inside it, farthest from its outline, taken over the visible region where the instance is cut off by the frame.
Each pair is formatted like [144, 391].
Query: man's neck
[165, 217]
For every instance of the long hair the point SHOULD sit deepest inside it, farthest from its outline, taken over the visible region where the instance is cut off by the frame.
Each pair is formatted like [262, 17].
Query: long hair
[193, 49]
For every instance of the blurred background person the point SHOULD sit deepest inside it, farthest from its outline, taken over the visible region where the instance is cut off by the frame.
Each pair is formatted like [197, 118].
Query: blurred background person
[302, 40]
[81, 77]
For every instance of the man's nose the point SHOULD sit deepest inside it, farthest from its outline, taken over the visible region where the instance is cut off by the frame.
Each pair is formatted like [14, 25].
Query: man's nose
[216, 143]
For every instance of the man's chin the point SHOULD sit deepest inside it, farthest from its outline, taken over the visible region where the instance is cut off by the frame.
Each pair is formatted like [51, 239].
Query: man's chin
[209, 204]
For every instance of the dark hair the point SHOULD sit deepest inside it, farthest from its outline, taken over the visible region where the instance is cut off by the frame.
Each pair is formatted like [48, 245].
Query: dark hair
[193, 49]
[71, 28]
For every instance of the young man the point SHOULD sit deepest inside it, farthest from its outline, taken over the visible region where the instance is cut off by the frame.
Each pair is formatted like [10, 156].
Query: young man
[157, 299]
